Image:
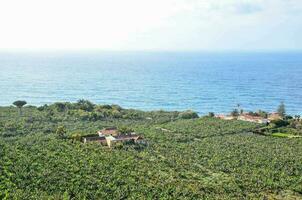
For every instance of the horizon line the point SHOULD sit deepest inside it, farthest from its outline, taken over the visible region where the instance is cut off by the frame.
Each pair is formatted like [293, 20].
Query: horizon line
[46, 50]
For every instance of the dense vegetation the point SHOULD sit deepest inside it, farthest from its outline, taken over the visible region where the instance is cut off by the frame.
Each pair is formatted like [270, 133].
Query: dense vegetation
[290, 127]
[186, 157]
[283, 126]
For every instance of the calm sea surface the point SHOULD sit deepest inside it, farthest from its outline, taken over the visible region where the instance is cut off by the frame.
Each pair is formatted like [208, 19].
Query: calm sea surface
[150, 81]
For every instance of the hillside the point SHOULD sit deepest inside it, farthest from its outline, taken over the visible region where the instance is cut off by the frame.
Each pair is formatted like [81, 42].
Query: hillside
[185, 157]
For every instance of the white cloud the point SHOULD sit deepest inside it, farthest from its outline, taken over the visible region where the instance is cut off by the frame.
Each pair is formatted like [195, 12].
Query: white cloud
[156, 24]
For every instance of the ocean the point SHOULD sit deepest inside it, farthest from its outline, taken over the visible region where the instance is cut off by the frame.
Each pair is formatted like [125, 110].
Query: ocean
[201, 81]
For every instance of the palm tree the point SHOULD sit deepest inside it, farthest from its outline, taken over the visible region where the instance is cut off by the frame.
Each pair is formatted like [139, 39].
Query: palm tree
[297, 117]
[19, 104]
[281, 110]
[240, 110]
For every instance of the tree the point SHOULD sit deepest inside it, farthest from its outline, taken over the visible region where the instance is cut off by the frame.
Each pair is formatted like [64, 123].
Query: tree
[85, 105]
[189, 114]
[281, 110]
[279, 123]
[125, 130]
[235, 113]
[42, 108]
[19, 104]
[239, 109]
[211, 114]
[60, 106]
[262, 113]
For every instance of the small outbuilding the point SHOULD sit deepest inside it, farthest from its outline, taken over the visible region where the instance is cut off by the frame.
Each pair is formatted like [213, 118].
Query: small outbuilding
[133, 137]
[110, 136]
[100, 139]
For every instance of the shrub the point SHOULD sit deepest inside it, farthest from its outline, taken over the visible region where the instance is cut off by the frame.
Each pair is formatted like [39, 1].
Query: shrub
[211, 114]
[85, 105]
[42, 108]
[279, 123]
[281, 110]
[61, 131]
[76, 137]
[116, 114]
[125, 130]
[188, 115]
[235, 113]
[11, 126]
[262, 113]
[288, 117]
[117, 107]
[106, 107]
[60, 107]
[83, 115]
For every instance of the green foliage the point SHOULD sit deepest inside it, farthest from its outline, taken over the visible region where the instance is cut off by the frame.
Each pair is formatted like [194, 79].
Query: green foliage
[43, 108]
[60, 107]
[125, 130]
[189, 114]
[211, 114]
[76, 137]
[288, 117]
[281, 110]
[200, 158]
[84, 105]
[286, 135]
[235, 113]
[297, 117]
[279, 123]
[61, 131]
[259, 113]
[19, 104]
[262, 113]
[287, 126]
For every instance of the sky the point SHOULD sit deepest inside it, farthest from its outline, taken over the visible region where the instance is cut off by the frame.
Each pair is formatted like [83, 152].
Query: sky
[177, 25]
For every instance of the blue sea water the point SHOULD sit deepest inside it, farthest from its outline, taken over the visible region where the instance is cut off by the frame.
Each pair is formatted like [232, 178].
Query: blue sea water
[155, 80]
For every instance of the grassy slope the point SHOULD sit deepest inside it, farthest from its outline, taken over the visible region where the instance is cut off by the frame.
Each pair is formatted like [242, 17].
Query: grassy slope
[185, 159]
[286, 135]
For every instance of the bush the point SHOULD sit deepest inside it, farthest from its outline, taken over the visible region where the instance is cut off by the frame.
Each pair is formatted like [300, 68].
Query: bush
[281, 110]
[211, 114]
[125, 130]
[262, 114]
[235, 113]
[188, 115]
[288, 117]
[76, 137]
[106, 107]
[279, 123]
[61, 131]
[60, 107]
[85, 105]
[11, 126]
[116, 114]
[42, 108]
[83, 115]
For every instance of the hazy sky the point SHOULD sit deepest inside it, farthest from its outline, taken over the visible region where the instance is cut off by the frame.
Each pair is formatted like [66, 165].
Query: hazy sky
[152, 24]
